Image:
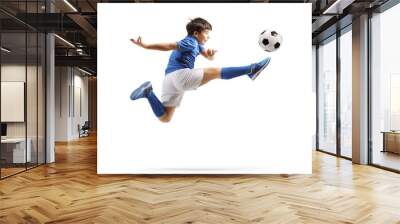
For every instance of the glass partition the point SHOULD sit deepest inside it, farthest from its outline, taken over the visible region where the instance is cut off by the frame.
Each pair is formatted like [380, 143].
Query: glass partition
[32, 95]
[41, 109]
[22, 67]
[13, 110]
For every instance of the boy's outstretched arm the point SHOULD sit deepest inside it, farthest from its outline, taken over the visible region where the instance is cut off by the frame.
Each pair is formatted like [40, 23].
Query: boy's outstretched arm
[159, 46]
[209, 53]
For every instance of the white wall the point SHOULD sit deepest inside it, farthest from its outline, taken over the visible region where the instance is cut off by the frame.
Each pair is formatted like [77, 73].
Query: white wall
[81, 83]
[16, 73]
[71, 93]
[62, 81]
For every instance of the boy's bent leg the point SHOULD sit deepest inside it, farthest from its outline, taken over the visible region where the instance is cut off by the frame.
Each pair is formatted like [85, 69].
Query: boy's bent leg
[210, 74]
[142, 91]
[146, 91]
[166, 117]
[156, 105]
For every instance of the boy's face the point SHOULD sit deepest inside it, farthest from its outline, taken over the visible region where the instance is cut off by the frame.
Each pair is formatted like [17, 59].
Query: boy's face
[202, 37]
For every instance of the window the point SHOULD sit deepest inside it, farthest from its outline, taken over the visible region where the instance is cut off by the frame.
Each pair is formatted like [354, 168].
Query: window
[385, 89]
[327, 96]
[346, 93]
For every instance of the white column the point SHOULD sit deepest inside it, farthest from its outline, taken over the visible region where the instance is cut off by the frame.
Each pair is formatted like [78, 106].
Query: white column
[360, 90]
[50, 110]
[50, 92]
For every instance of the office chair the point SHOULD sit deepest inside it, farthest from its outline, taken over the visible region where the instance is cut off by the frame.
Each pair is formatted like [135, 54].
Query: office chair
[84, 130]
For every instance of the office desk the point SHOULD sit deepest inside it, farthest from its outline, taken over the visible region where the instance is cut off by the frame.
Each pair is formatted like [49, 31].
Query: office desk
[391, 141]
[15, 148]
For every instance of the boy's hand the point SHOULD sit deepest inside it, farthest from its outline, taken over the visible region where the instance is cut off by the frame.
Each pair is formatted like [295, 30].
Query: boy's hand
[210, 53]
[139, 42]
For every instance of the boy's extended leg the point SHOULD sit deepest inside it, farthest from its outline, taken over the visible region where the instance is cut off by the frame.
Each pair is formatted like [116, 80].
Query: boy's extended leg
[210, 74]
[252, 71]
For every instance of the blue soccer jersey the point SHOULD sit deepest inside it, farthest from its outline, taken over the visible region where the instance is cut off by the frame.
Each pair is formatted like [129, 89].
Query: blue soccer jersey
[185, 54]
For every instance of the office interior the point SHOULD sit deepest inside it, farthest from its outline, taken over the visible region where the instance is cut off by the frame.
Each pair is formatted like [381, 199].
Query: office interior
[49, 82]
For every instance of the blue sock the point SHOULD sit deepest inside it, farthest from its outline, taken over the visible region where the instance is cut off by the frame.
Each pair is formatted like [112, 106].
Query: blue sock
[233, 72]
[156, 105]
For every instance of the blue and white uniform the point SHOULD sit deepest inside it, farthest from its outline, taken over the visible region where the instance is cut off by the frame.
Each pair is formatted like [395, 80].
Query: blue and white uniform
[180, 74]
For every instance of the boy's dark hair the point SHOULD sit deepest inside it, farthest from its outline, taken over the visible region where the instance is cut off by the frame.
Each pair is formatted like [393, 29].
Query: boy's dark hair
[198, 24]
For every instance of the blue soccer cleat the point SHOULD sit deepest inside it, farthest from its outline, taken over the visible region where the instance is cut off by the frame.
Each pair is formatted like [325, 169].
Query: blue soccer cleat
[142, 91]
[257, 68]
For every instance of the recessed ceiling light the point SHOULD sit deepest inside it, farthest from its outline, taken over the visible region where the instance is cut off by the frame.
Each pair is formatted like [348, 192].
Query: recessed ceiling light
[64, 40]
[84, 71]
[338, 6]
[70, 5]
[5, 50]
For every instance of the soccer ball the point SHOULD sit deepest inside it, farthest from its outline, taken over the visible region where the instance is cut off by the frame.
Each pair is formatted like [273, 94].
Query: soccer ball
[270, 40]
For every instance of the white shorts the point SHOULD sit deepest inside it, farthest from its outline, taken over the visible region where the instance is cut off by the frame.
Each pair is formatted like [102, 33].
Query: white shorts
[176, 83]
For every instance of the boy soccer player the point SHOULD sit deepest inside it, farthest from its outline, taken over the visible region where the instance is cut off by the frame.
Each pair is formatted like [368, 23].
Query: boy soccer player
[180, 74]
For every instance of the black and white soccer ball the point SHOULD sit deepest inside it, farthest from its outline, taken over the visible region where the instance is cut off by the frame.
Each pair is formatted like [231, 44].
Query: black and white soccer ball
[270, 40]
